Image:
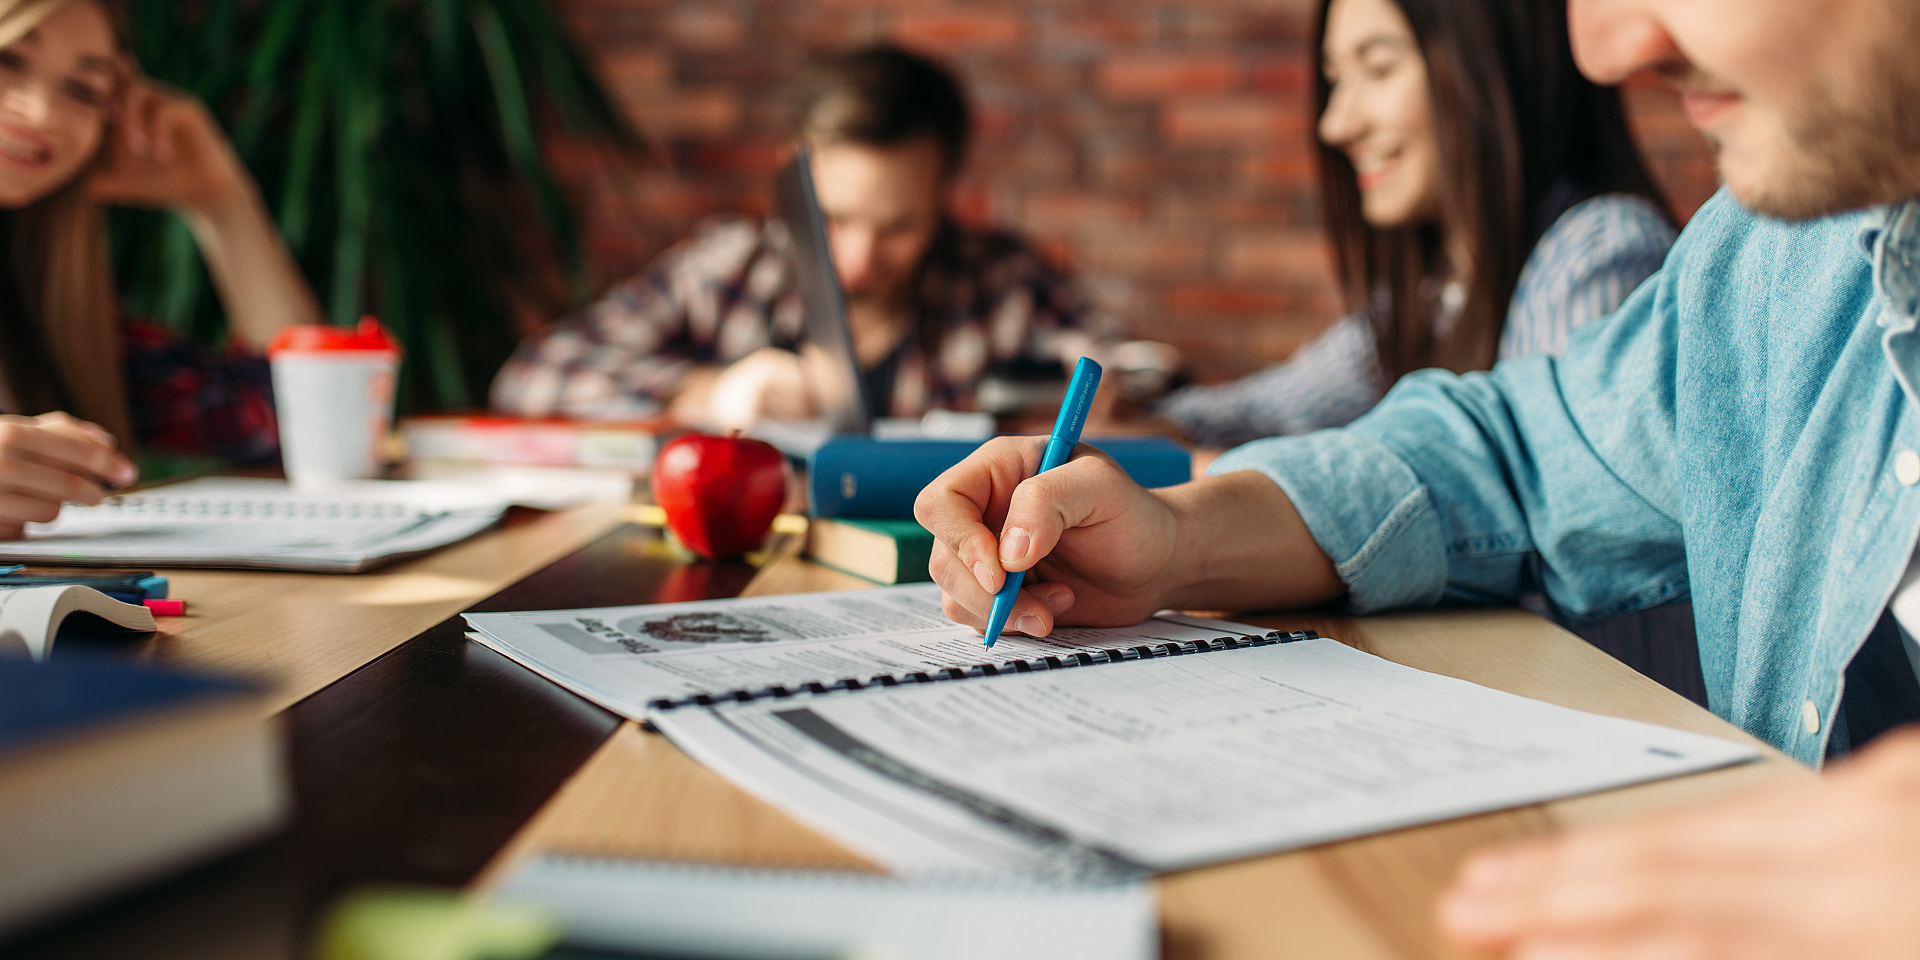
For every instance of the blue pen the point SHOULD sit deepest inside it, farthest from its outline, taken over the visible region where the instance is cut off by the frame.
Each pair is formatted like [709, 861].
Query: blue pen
[1066, 433]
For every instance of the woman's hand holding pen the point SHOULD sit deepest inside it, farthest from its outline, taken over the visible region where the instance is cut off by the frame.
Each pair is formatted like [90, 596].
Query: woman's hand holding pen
[1105, 551]
[53, 459]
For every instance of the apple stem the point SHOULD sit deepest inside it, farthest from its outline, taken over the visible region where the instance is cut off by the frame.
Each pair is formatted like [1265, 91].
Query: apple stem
[735, 435]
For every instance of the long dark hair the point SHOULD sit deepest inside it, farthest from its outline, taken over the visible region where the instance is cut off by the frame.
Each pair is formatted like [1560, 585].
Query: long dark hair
[1522, 136]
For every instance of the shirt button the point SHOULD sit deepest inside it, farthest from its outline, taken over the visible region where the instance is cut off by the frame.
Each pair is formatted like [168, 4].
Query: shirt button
[1906, 467]
[1810, 714]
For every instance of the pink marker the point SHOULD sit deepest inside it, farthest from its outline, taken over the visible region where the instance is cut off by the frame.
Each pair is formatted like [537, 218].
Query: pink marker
[167, 608]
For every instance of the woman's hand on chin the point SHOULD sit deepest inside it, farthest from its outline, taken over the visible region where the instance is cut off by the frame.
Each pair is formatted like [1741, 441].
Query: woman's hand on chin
[167, 151]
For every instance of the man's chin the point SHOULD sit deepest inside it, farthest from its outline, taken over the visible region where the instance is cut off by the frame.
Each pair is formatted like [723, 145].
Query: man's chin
[1800, 194]
[1804, 182]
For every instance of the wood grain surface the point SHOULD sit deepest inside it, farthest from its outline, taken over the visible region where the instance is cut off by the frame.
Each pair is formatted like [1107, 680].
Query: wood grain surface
[434, 760]
[298, 632]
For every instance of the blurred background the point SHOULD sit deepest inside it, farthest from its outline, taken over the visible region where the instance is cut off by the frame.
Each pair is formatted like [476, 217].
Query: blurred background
[468, 169]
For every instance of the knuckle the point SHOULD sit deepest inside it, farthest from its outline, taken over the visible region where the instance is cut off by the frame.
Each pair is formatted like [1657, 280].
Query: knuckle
[952, 608]
[926, 505]
[1001, 445]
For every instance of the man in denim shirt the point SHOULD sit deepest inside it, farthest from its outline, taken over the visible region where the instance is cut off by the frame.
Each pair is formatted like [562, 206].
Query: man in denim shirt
[1743, 431]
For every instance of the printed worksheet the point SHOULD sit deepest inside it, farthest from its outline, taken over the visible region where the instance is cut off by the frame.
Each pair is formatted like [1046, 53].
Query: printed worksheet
[1130, 768]
[625, 658]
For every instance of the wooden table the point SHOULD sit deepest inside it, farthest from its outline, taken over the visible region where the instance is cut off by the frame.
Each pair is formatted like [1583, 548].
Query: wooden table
[441, 762]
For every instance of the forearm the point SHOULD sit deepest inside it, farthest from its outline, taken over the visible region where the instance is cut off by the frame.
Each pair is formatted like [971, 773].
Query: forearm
[691, 405]
[1239, 544]
[258, 282]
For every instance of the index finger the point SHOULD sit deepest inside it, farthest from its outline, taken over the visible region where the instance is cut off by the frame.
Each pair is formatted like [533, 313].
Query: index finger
[65, 447]
[957, 506]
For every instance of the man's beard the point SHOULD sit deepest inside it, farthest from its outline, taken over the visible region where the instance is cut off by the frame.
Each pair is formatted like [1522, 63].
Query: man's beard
[1846, 157]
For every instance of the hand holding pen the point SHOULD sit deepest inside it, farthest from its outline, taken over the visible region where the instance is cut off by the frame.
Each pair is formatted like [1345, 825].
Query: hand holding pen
[1097, 543]
[49, 460]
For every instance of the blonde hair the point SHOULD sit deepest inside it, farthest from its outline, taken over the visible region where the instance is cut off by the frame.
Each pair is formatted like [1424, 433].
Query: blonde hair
[59, 266]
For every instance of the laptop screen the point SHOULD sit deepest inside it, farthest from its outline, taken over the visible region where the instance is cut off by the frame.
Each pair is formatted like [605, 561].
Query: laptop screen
[827, 351]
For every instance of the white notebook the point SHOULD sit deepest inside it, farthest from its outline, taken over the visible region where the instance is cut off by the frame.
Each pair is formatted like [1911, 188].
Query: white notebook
[258, 523]
[628, 658]
[1183, 756]
[685, 910]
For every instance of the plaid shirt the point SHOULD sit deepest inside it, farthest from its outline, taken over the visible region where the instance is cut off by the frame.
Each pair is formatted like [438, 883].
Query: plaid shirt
[188, 399]
[985, 303]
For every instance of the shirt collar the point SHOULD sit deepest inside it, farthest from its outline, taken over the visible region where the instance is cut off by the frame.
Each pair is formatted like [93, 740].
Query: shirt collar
[1891, 239]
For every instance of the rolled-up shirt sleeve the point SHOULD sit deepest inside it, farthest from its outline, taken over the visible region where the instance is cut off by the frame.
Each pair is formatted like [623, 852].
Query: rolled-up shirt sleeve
[1470, 488]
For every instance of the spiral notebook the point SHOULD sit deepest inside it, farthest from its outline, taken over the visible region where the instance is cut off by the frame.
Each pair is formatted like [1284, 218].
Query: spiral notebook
[1160, 757]
[657, 909]
[635, 659]
[260, 523]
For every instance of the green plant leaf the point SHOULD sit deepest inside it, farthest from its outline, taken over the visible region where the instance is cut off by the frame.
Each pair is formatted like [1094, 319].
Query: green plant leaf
[400, 142]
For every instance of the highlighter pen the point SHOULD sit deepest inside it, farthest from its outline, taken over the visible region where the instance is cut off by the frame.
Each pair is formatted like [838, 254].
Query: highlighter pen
[1066, 433]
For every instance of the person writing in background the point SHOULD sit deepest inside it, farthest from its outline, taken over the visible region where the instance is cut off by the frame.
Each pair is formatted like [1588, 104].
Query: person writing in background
[80, 382]
[1483, 200]
[1746, 429]
[709, 333]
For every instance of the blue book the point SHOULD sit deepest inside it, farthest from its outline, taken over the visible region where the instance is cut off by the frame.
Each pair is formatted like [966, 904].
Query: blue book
[854, 476]
[116, 771]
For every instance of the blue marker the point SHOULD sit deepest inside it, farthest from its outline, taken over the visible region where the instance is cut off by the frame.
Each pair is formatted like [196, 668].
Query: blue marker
[1066, 433]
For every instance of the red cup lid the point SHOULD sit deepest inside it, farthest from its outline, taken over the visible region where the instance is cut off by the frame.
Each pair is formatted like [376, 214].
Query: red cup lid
[368, 337]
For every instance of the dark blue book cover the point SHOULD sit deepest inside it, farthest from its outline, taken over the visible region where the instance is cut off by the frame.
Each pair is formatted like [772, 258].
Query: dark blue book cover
[73, 695]
[855, 476]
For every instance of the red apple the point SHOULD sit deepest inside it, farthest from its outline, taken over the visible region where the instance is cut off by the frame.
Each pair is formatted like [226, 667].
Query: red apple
[720, 493]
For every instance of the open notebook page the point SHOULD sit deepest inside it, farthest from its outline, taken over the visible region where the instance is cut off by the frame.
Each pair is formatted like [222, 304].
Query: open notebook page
[1155, 765]
[249, 522]
[624, 658]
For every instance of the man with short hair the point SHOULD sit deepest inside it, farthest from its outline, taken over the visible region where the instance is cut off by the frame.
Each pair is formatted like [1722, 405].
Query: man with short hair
[1745, 430]
[710, 330]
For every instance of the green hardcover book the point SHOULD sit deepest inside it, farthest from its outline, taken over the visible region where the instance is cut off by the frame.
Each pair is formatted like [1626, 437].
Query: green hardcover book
[884, 551]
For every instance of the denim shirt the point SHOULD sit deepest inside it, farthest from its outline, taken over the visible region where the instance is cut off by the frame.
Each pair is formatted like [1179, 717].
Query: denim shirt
[1732, 432]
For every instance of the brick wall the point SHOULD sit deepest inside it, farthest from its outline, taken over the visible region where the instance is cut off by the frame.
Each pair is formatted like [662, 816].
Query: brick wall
[1159, 149]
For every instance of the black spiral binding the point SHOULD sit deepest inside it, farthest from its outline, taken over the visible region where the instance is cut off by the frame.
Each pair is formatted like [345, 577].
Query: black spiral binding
[1145, 651]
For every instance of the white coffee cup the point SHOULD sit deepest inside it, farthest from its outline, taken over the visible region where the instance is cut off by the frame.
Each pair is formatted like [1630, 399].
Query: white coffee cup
[333, 393]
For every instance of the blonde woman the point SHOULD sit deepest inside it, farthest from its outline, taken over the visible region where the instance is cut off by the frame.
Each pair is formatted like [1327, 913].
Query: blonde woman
[80, 383]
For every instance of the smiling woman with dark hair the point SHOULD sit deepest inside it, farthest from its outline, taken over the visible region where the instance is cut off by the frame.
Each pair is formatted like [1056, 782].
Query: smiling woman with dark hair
[80, 381]
[1482, 199]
